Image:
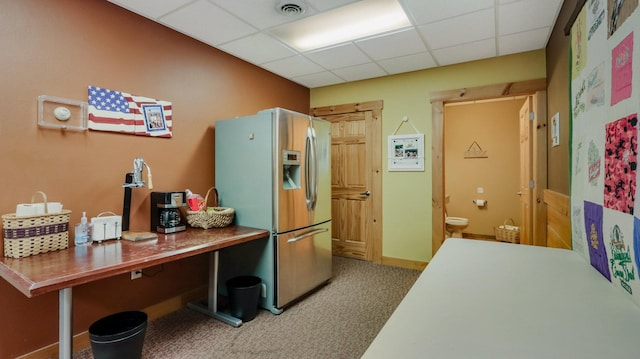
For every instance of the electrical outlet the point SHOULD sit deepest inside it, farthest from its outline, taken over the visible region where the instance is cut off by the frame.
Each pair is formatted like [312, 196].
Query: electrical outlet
[135, 274]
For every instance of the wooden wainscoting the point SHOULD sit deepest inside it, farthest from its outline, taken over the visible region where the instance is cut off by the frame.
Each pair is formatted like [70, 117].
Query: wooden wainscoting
[558, 219]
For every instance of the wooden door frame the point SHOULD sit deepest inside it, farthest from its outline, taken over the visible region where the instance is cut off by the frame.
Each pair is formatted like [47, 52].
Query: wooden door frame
[438, 100]
[374, 250]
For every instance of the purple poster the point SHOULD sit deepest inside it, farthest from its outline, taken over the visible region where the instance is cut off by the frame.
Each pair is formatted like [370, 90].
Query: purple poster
[593, 227]
[620, 163]
[621, 70]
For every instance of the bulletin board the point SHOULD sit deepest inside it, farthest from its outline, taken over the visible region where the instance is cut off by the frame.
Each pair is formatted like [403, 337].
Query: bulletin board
[406, 152]
[605, 103]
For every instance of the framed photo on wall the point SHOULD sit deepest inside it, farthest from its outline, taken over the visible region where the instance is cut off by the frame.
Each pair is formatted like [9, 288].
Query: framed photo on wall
[406, 152]
[154, 118]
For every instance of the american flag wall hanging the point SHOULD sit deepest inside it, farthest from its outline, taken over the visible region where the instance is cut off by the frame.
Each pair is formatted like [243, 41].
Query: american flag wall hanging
[121, 112]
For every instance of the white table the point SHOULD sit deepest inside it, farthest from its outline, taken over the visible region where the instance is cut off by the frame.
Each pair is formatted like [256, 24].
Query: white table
[479, 299]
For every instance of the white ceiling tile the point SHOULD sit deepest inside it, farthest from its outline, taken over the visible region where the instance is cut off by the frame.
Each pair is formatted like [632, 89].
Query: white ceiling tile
[531, 14]
[360, 72]
[466, 52]
[452, 31]
[293, 66]
[459, 30]
[392, 45]
[318, 80]
[338, 56]
[258, 49]
[523, 41]
[408, 63]
[151, 8]
[324, 5]
[195, 20]
[426, 11]
[260, 14]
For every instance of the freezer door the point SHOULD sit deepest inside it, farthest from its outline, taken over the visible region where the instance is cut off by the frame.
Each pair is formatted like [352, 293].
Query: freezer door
[304, 262]
[302, 164]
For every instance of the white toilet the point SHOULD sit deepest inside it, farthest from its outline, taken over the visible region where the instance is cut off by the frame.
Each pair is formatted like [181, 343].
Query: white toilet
[455, 225]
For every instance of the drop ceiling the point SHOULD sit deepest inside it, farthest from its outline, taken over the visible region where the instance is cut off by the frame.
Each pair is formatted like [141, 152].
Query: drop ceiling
[443, 32]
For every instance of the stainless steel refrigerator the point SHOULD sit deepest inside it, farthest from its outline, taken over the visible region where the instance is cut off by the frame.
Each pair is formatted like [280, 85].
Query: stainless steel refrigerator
[274, 169]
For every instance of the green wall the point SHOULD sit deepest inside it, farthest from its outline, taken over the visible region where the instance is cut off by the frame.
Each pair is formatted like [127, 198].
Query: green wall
[406, 196]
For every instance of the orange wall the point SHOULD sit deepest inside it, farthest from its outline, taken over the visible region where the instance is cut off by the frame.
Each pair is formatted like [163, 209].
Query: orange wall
[494, 126]
[58, 48]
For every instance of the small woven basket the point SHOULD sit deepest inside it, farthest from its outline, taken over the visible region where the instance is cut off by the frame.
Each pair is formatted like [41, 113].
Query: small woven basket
[25, 236]
[211, 217]
[505, 234]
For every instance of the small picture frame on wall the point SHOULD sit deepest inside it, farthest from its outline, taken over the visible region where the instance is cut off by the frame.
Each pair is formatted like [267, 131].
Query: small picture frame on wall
[406, 152]
[555, 130]
[154, 119]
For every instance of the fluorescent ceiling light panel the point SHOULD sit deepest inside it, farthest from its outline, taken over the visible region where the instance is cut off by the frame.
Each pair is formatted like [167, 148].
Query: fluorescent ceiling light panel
[355, 21]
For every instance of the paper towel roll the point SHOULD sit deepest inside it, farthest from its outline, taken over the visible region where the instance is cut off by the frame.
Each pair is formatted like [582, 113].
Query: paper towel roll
[34, 209]
[480, 202]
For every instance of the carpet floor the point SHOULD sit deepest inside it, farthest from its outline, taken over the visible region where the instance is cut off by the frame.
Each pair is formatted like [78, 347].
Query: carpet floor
[339, 321]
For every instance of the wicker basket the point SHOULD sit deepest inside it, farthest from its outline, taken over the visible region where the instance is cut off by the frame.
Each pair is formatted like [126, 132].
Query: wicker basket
[30, 235]
[211, 217]
[505, 234]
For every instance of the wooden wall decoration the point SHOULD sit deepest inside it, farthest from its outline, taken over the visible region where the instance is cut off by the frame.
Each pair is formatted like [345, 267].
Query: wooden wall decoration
[475, 151]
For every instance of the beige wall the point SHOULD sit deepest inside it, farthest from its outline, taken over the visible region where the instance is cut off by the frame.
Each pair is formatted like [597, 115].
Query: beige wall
[58, 48]
[494, 126]
[406, 196]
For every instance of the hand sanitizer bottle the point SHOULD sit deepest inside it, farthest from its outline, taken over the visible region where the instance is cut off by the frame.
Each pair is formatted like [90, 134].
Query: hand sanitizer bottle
[82, 236]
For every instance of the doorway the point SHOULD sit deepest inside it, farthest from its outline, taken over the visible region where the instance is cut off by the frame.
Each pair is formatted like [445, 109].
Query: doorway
[481, 146]
[538, 162]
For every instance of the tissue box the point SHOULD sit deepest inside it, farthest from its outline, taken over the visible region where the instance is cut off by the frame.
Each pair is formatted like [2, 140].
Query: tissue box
[107, 227]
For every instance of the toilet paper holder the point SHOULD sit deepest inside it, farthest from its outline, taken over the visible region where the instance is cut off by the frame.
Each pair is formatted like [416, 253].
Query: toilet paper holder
[480, 202]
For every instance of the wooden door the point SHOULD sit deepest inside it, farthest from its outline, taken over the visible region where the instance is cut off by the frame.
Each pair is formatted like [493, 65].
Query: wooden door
[526, 178]
[356, 185]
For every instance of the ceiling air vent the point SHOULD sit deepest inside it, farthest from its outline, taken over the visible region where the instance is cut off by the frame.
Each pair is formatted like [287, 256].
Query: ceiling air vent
[291, 8]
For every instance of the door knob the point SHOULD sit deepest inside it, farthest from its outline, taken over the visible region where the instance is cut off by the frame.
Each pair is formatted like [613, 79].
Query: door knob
[367, 193]
[519, 193]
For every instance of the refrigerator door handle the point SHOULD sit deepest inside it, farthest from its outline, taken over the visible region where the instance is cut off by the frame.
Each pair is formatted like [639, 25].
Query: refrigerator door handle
[308, 234]
[314, 162]
[311, 170]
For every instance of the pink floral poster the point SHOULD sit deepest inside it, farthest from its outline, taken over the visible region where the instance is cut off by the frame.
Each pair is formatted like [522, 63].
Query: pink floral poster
[621, 70]
[620, 161]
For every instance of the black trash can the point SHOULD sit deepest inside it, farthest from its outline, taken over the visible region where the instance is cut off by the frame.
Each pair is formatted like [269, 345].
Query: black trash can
[119, 335]
[244, 294]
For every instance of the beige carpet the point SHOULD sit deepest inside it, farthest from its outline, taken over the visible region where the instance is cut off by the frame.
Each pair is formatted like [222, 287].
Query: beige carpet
[337, 321]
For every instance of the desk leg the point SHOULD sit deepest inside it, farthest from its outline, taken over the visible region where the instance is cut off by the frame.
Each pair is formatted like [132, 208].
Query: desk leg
[211, 308]
[65, 332]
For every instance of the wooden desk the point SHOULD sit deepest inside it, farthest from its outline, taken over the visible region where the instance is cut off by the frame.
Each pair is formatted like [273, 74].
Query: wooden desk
[62, 270]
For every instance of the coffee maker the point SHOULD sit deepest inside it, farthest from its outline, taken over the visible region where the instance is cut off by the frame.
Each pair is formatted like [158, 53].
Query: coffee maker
[165, 211]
